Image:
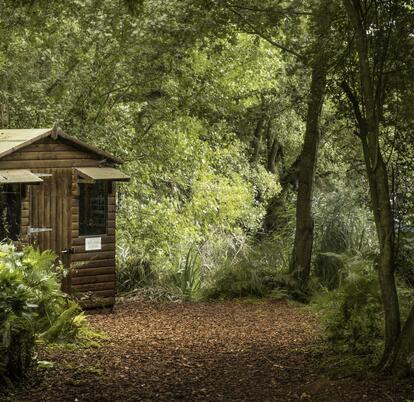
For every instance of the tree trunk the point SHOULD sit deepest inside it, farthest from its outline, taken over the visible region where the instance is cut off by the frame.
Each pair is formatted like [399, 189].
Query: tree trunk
[257, 140]
[378, 178]
[380, 200]
[272, 149]
[302, 251]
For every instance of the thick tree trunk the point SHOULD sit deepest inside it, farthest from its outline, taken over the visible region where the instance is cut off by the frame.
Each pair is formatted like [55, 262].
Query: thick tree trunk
[378, 178]
[302, 251]
[380, 200]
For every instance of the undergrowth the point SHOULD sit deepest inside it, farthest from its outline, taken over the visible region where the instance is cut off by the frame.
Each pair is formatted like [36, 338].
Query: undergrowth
[250, 270]
[33, 308]
[352, 314]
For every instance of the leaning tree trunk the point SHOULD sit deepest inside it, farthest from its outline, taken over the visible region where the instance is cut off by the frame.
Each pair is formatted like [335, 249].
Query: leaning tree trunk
[302, 251]
[377, 176]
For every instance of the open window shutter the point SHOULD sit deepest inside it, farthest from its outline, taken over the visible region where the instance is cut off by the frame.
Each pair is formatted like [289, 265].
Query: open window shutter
[101, 173]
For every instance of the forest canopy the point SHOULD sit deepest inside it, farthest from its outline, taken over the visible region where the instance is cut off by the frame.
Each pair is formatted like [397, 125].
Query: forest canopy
[269, 144]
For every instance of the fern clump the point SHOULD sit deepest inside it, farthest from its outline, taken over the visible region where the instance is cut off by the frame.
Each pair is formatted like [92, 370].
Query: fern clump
[66, 326]
[72, 328]
[31, 303]
[235, 280]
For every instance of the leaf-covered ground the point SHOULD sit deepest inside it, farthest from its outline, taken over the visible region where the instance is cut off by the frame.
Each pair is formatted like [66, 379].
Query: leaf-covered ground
[223, 351]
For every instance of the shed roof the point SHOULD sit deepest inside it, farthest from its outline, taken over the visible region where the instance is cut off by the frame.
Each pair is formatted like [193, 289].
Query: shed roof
[102, 173]
[11, 140]
[19, 176]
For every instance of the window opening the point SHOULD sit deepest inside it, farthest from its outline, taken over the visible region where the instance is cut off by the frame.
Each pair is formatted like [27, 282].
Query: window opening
[93, 207]
[10, 211]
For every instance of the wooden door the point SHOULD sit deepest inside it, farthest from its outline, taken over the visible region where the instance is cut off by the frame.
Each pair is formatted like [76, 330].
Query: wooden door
[50, 215]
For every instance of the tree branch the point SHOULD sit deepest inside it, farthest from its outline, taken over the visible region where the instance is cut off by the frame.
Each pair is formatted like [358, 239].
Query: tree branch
[282, 11]
[355, 106]
[264, 36]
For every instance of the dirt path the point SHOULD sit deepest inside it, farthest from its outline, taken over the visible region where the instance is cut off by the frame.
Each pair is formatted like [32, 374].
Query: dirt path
[225, 351]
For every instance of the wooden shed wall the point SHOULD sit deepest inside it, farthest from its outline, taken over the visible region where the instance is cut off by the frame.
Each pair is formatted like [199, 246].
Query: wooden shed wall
[94, 270]
[94, 273]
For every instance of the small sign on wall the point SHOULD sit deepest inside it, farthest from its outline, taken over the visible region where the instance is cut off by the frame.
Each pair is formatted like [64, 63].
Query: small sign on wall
[93, 243]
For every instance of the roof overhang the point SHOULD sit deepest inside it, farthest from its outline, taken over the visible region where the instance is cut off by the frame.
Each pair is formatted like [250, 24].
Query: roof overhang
[101, 173]
[19, 176]
[109, 157]
[11, 140]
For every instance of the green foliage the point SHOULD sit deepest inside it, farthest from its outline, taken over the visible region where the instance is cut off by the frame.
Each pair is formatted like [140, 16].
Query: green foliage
[344, 226]
[66, 326]
[186, 276]
[279, 231]
[254, 269]
[199, 191]
[235, 280]
[31, 303]
[71, 329]
[352, 314]
[405, 256]
[133, 273]
[29, 300]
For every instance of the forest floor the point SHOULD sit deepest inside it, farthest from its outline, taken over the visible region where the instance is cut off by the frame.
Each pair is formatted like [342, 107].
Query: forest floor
[221, 351]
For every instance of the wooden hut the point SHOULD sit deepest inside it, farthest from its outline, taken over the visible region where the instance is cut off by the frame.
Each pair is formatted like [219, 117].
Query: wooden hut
[59, 193]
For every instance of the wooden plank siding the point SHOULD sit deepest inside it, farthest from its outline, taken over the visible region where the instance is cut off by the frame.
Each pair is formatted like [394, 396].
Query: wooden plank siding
[93, 274]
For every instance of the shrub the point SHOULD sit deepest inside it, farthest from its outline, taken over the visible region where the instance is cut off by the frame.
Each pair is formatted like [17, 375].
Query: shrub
[233, 281]
[353, 313]
[343, 226]
[258, 269]
[30, 303]
[133, 273]
[66, 326]
[25, 289]
[276, 240]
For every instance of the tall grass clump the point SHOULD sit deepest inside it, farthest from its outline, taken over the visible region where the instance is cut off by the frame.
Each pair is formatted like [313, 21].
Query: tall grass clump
[184, 277]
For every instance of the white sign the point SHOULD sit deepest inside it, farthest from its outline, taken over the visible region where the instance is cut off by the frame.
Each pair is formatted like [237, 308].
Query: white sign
[93, 243]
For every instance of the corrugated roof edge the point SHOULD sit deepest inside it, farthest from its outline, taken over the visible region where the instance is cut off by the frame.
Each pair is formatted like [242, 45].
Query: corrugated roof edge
[51, 132]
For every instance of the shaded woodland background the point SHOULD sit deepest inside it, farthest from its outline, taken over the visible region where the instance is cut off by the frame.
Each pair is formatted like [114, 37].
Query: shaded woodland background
[270, 146]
